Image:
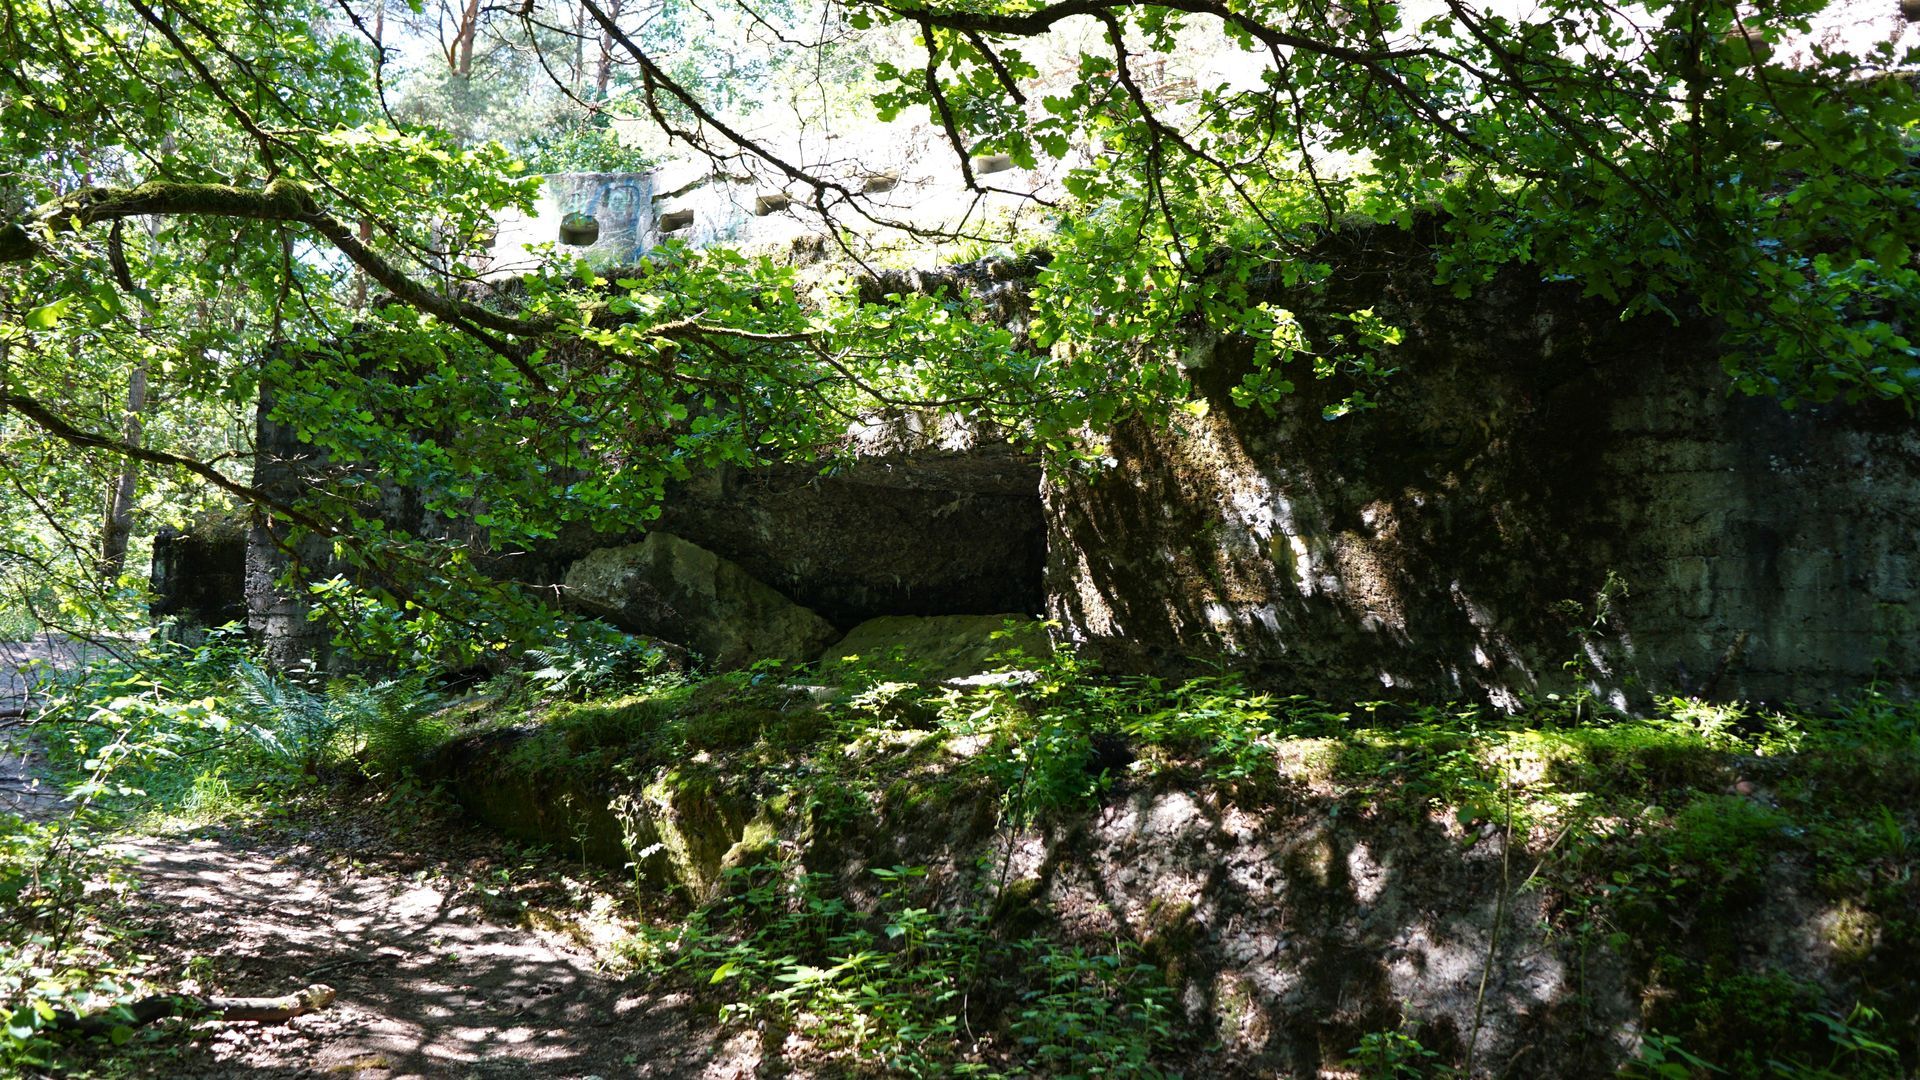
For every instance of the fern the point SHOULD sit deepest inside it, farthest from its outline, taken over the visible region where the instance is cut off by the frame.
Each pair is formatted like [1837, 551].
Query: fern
[591, 660]
[392, 725]
[291, 723]
[385, 728]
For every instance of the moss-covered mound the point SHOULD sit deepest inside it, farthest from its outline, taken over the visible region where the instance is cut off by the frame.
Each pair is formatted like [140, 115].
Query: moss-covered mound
[1064, 873]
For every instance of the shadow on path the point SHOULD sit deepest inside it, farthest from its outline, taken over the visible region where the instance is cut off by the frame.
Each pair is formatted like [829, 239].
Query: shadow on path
[427, 987]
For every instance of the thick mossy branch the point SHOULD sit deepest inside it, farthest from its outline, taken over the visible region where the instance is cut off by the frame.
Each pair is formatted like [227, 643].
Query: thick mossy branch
[281, 200]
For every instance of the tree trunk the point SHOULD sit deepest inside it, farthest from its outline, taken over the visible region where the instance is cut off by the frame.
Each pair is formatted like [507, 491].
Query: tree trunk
[603, 73]
[579, 49]
[117, 528]
[469, 29]
[366, 225]
[360, 275]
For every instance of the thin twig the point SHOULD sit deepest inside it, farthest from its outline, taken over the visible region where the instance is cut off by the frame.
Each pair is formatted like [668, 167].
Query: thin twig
[1499, 920]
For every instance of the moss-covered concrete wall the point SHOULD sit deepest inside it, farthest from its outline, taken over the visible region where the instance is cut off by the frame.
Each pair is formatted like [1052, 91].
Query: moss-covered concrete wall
[1533, 455]
[198, 572]
[1456, 539]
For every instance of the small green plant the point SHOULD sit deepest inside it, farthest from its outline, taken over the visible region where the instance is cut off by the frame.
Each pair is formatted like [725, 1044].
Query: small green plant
[1887, 836]
[897, 988]
[1726, 834]
[1718, 724]
[1856, 1052]
[592, 658]
[1661, 1057]
[1587, 625]
[1214, 717]
[1091, 1014]
[382, 729]
[1395, 1055]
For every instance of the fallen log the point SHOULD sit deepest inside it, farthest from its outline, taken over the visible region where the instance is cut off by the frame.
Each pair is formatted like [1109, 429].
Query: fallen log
[145, 1011]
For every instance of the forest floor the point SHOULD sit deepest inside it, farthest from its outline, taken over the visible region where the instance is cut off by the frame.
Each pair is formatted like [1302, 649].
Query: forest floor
[430, 984]
[401, 918]
[1112, 877]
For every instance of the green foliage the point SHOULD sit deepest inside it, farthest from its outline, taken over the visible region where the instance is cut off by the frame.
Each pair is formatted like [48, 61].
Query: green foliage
[1645, 155]
[1395, 1055]
[662, 719]
[591, 658]
[1772, 1036]
[64, 949]
[169, 731]
[899, 988]
[1635, 153]
[382, 729]
[594, 738]
[584, 148]
[1725, 830]
[1657, 853]
[1092, 1014]
[61, 948]
[1856, 1048]
[1661, 1057]
[1216, 719]
[175, 729]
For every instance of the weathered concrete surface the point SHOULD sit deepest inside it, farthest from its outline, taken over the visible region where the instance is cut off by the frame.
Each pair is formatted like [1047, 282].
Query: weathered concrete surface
[667, 587]
[199, 573]
[1531, 449]
[928, 517]
[280, 618]
[1455, 539]
[934, 647]
[680, 828]
[621, 204]
[278, 615]
[927, 532]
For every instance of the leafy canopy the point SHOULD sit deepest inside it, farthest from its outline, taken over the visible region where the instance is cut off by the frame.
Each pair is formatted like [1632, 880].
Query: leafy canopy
[238, 196]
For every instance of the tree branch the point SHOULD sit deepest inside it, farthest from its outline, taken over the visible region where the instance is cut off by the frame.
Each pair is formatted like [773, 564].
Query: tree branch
[1038, 21]
[57, 426]
[281, 200]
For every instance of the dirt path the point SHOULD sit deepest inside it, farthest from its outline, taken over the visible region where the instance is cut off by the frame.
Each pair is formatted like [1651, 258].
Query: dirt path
[429, 985]
[22, 793]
